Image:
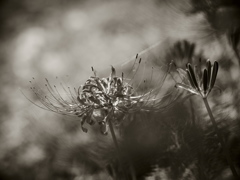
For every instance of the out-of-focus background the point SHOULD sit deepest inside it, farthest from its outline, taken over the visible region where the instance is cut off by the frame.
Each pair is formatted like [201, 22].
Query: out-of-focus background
[62, 38]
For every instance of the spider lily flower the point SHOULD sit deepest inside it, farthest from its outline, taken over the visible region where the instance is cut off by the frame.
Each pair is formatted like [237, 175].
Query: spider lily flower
[198, 82]
[98, 100]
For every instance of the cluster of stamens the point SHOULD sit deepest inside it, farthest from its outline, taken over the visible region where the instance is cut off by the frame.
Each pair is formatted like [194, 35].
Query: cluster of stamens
[96, 101]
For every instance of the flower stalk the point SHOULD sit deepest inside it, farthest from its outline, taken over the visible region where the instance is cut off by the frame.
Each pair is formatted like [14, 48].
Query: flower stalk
[116, 144]
[201, 83]
[103, 101]
[220, 137]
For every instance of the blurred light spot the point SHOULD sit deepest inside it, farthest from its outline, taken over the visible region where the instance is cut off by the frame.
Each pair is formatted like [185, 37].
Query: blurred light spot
[75, 20]
[13, 132]
[53, 63]
[27, 47]
[32, 155]
[235, 73]
[29, 44]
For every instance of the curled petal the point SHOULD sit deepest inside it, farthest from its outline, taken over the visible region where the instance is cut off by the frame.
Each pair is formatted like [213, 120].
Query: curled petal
[82, 123]
[89, 119]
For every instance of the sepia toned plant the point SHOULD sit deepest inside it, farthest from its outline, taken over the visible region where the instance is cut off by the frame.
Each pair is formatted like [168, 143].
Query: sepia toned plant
[104, 100]
[96, 101]
[107, 101]
[201, 83]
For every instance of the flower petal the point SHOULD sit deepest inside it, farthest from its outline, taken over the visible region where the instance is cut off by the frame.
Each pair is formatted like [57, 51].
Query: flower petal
[104, 128]
[82, 123]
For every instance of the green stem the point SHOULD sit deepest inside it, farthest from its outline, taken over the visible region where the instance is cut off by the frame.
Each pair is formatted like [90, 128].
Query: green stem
[220, 137]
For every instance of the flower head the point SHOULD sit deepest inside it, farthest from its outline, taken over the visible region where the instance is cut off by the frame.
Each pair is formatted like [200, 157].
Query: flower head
[97, 100]
[198, 82]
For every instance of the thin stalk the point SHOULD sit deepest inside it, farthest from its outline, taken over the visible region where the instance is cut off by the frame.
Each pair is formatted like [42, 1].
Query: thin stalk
[117, 147]
[220, 137]
[192, 113]
[114, 136]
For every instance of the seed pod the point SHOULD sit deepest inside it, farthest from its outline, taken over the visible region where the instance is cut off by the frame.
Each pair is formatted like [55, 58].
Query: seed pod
[190, 79]
[192, 75]
[209, 70]
[205, 81]
[214, 75]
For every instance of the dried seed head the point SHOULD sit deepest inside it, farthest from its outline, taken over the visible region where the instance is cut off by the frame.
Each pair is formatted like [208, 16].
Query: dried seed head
[197, 84]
